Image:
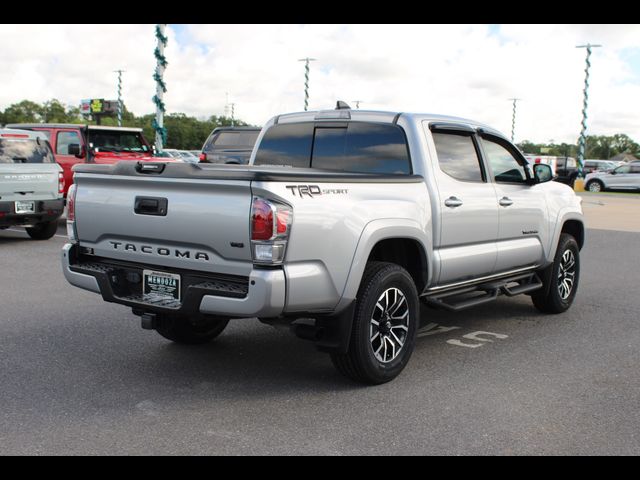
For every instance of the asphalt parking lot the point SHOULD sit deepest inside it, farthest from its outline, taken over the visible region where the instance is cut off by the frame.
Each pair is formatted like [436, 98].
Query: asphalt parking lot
[79, 376]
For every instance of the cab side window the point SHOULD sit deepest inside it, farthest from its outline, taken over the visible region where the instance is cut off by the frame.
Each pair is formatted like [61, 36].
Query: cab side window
[64, 139]
[457, 156]
[504, 166]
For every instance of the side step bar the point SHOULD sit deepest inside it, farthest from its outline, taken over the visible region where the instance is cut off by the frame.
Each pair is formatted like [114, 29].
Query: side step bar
[455, 300]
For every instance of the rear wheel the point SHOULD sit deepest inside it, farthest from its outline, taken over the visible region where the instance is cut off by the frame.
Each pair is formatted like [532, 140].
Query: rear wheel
[181, 330]
[561, 283]
[384, 326]
[595, 186]
[43, 231]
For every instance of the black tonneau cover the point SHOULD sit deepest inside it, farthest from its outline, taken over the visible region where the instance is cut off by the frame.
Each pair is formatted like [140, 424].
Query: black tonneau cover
[242, 172]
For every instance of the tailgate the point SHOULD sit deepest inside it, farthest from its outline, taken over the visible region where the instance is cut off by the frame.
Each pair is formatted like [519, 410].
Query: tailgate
[31, 181]
[186, 223]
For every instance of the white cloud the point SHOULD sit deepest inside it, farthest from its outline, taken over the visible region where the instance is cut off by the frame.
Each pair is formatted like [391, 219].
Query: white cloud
[464, 70]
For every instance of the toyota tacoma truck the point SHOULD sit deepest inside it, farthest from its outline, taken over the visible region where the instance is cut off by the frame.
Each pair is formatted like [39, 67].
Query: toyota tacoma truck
[342, 225]
[31, 184]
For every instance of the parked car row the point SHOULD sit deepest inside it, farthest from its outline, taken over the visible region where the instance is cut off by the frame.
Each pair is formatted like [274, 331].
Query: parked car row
[73, 144]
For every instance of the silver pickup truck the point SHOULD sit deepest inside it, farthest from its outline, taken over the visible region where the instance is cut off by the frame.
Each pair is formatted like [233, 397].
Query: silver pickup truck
[31, 183]
[341, 225]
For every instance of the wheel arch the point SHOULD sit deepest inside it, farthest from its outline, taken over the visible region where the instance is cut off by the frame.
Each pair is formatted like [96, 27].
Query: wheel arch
[391, 240]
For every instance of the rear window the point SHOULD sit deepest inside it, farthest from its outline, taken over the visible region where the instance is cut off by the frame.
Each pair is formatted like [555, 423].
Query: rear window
[358, 147]
[25, 151]
[232, 139]
[286, 145]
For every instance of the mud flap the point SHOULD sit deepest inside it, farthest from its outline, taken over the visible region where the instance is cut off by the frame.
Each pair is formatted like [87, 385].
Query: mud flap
[335, 331]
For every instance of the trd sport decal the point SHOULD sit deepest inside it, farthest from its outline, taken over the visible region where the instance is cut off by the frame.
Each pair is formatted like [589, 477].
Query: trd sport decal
[315, 190]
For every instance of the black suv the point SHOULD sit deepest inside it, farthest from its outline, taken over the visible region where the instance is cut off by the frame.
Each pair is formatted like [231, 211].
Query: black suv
[231, 145]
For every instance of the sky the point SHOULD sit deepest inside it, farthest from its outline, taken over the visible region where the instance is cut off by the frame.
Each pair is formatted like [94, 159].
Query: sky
[464, 70]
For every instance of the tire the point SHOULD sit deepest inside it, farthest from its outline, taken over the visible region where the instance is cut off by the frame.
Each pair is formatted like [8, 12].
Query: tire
[43, 231]
[553, 296]
[181, 330]
[383, 285]
[595, 186]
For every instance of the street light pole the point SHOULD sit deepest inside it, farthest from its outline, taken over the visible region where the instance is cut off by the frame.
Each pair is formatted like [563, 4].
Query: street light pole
[582, 142]
[513, 119]
[306, 80]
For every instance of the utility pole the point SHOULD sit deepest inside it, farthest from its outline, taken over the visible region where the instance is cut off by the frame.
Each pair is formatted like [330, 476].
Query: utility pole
[120, 105]
[233, 113]
[306, 80]
[513, 118]
[161, 88]
[582, 142]
[226, 105]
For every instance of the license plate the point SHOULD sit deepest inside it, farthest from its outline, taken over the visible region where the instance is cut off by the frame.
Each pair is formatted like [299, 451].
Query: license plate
[25, 207]
[161, 285]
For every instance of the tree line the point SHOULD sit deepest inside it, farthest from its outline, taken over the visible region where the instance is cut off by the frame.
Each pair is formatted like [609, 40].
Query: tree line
[183, 132]
[189, 133]
[600, 147]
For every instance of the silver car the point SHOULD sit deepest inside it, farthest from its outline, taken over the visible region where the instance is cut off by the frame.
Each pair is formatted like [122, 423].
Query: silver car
[624, 177]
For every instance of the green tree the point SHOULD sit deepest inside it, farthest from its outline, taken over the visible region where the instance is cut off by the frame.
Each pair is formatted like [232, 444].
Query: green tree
[183, 131]
[25, 111]
[605, 147]
[53, 111]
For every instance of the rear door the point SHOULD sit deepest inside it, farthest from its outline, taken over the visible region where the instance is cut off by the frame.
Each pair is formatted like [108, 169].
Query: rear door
[523, 227]
[466, 248]
[620, 178]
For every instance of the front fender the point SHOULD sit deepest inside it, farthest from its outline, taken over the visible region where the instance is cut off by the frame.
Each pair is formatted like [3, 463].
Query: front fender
[564, 215]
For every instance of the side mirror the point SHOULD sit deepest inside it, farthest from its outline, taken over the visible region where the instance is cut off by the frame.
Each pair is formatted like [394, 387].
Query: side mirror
[613, 172]
[74, 149]
[542, 173]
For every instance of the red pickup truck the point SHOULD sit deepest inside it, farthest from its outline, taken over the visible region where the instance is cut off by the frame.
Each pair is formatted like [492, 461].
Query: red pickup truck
[73, 144]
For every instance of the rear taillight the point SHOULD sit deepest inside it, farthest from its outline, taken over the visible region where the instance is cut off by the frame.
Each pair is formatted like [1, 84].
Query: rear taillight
[71, 214]
[60, 183]
[270, 227]
[203, 157]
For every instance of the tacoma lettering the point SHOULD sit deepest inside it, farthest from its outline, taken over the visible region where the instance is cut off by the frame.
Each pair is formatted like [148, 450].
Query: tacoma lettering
[163, 251]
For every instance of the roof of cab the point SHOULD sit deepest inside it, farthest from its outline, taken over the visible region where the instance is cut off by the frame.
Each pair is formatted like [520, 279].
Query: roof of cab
[379, 116]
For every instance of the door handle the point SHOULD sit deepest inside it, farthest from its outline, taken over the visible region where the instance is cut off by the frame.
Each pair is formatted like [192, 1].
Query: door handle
[453, 202]
[151, 206]
[505, 201]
